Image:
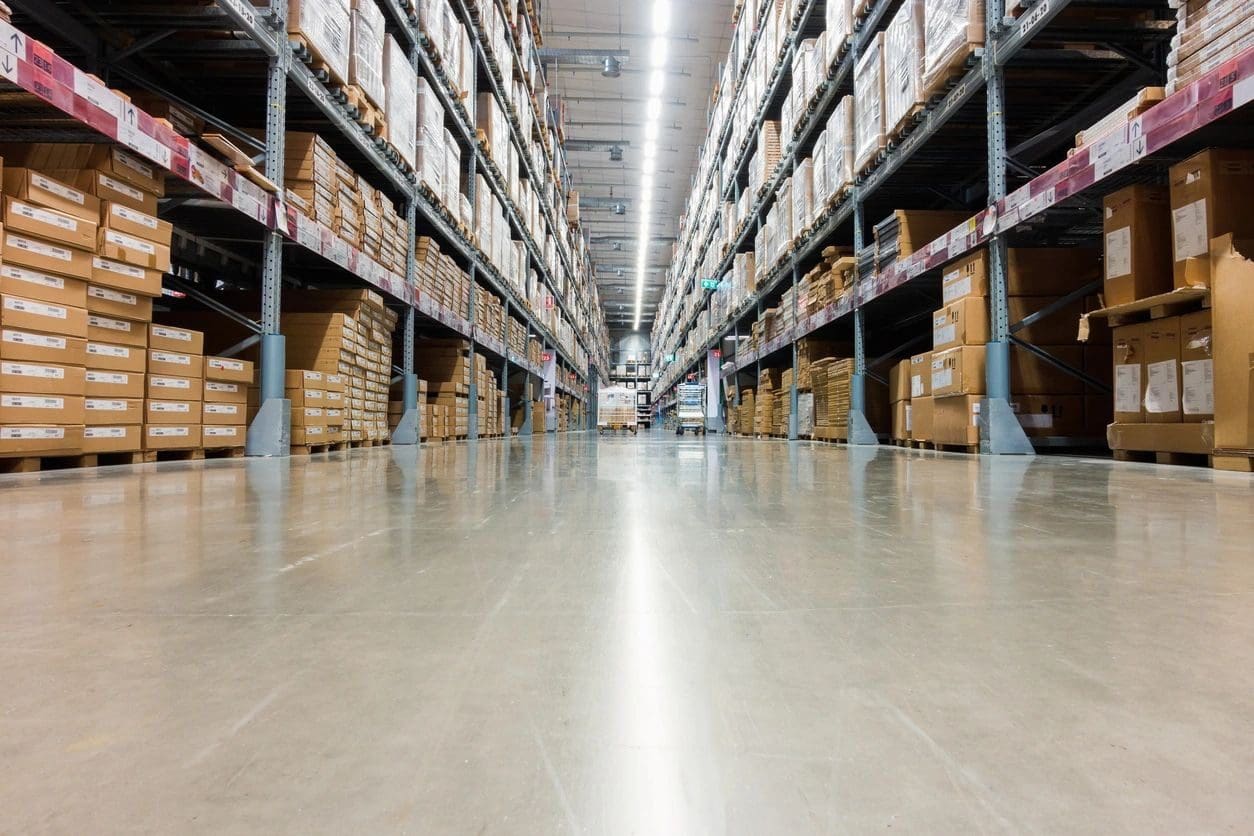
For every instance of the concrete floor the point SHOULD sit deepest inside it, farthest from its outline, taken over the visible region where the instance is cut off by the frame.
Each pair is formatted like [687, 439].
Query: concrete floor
[645, 635]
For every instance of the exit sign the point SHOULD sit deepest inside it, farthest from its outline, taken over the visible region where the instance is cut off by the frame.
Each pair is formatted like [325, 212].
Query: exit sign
[709, 284]
[670, 358]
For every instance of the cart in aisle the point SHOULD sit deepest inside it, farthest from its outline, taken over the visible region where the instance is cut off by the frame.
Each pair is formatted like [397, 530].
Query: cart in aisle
[616, 409]
[690, 407]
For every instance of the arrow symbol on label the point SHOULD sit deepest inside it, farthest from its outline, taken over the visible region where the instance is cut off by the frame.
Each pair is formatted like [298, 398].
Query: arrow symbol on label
[17, 42]
[8, 64]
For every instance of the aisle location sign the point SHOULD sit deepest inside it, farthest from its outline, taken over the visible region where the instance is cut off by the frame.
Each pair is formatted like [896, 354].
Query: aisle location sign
[709, 284]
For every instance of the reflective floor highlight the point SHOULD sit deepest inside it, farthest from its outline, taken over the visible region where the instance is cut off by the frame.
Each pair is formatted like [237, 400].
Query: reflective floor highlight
[627, 635]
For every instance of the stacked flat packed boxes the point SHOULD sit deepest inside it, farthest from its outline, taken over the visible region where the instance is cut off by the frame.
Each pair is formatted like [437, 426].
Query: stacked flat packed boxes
[310, 175]
[783, 404]
[953, 31]
[899, 399]
[1117, 119]
[838, 145]
[870, 132]
[903, 66]
[1048, 401]
[449, 371]
[1208, 32]
[902, 233]
[820, 376]
[224, 413]
[174, 389]
[490, 316]
[809, 352]
[748, 410]
[307, 390]
[768, 152]
[764, 416]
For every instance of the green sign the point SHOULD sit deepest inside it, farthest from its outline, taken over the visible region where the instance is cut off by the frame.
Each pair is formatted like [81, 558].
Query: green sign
[709, 284]
[670, 358]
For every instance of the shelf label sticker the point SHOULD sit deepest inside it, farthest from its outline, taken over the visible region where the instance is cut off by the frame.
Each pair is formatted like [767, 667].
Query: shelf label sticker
[131, 135]
[97, 94]
[1111, 153]
[1128, 387]
[1243, 91]
[1037, 204]
[12, 41]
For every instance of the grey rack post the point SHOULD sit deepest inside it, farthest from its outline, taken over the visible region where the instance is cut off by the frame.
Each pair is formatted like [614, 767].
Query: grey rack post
[860, 431]
[271, 431]
[408, 431]
[505, 375]
[472, 419]
[735, 364]
[999, 428]
[792, 392]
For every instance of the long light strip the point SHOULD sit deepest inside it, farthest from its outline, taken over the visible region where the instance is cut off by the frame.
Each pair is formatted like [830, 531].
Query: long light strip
[653, 115]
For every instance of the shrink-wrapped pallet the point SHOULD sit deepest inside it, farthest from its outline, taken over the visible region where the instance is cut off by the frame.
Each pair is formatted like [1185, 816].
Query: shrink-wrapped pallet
[365, 61]
[903, 65]
[840, 147]
[325, 27]
[802, 196]
[819, 157]
[839, 22]
[430, 134]
[952, 30]
[402, 103]
[868, 96]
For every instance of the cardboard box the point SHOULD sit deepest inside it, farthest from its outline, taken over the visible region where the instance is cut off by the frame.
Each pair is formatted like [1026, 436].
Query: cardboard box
[110, 383]
[219, 437]
[221, 391]
[1232, 300]
[172, 436]
[23, 408]
[1162, 370]
[131, 221]
[1210, 194]
[171, 387]
[101, 328]
[44, 317]
[921, 375]
[229, 369]
[302, 378]
[963, 322]
[1197, 439]
[125, 277]
[1030, 271]
[50, 193]
[112, 439]
[40, 441]
[306, 397]
[899, 382]
[176, 363]
[113, 411]
[308, 435]
[901, 420]
[308, 416]
[958, 371]
[171, 412]
[224, 413]
[21, 281]
[1129, 367]
[107, 188]
[41, 378]
[129, 168]
[1137, 234]
[56, 228]
[113, 357]
[45, 256]
[1197, 367]
[1051, 415]
[180, 340]
[922, 413]
[338, 383]
[956, 420]
[118, 304]
[130, 249]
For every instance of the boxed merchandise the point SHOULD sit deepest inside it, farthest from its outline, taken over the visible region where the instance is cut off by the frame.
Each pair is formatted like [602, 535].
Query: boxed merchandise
[964, 322]
[23, 408]
[223, 413]
[953, 30]
[922, 412]
[901, 420]
[172, 412]
[44, 440]
[868, 95]
[402, 101]
[42, 287]
[324, 27]
[175, 363]
[220, 437]
[129, 249]
[46, 256]
[113, 411]
[958, 371]
[921, 375]
[29, 346]
[1162, 370]
[124, 219]
[1210, 194]
[127, 438]
[48, 226]
[106, 329]
[41, 190]
[1137, 229]
[1197, 367]
[1233, 299]
[45, 317]
[41, 378]
[899, 382]
[171, 436]
[168, 387]
[228, 369]
[169, 338]
[109, 383]
[129, 278]
[365, 57]
[1030, 271]
[903, 66]
[956, 420]
[115, 357]
[1129, 361]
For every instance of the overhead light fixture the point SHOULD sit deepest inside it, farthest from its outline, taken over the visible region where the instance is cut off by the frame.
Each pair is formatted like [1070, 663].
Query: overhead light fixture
[661, 16]
[657, 82]
[610, 68]
[616, 153]
[620, 209]
[653, 113]
[653, 109]
[657, 53]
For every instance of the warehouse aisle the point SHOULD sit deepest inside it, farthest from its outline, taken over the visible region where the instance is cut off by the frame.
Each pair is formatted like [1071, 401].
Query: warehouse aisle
[647, 635]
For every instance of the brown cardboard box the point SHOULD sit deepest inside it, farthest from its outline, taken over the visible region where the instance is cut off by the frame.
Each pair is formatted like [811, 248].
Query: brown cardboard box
[308, 416]
[956, 420]
[958, 371]
[171, 412]
[43, 287]
[921, 375]
[181, 340]
[118, 304]
[219, 437]
[126, 277]
[129, 249]
[108, 188]
[1129, 362]
[1232, 300]
[899, 382]
[50, 193]
[922, 413]
[901, 420]
[41, 378]
[169, 387]
[221, 391]
[44, 317]
[228, 369]
[175, 363]
[1197, 367]
[1030, 271]
[1051, 415]
[110, 383]
[302, 378]
[1197, 439]
[57, 228]
[129, 168]
[107, 329]
[963, 322]
[113, 411]
[18, 344]
[306, 397]
[172, 436]
[1210, 194]
[139, 224]
[113, 357]
[1137, 229]
[20, 408]
[224, 413]
[112, 439]
[1162, 371]
[40, 441]
[338, 383]
[45, 256]
[307, 435]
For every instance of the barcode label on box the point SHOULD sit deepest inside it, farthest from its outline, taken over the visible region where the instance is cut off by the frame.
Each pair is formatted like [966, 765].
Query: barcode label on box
[115, 237]
[93, 404]
[120, 187]
[31, 370]
[168, 432]
[103, 350]
[112, 295]
[214, 386]
[170, 382]
[170, 357]
[21, 274]
[111, 324]
[14, 303]
[118, 267]
[104, 432]
[222, 432]
[171, 333]
[225, 365]
[221, 409]
[32, 433]
[53, 187]
[133, 216]
[112, 378]
[30, 402]
[169, 406]
[39, 248]
[45, 216]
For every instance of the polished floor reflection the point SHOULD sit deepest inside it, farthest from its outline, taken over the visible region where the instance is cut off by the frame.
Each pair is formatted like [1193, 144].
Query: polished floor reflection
[630, 635]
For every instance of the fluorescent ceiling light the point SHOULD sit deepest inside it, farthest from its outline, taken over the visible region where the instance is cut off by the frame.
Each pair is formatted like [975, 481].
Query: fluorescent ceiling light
[661, 16]
[651, 131]
[653, 109]
[650, 150]
[657, 53]
[657, 82]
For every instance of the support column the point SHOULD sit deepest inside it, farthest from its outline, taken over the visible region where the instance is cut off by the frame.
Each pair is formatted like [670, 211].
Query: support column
[408, 431]
[550, 391]
[736, 375]
[506, 418]
[860, 431]
[271, 431]
[714, 393]
[472, 418]
[793, 400]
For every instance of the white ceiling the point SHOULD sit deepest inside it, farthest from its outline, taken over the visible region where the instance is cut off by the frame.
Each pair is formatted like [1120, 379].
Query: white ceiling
[613, 110]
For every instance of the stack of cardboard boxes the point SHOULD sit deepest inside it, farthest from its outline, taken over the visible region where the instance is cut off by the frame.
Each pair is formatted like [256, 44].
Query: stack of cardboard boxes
[448, 369]
[225, 410]
[317, 406]
[174, 389]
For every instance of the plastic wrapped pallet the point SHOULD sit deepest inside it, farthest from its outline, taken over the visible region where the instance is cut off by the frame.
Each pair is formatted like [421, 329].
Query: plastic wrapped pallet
[819, 158]
[402, 101]
[365, 63]
[839, 16]
[952, 30]
[840, 147]
[325, 26]
[868, 95]
[802, 196]
[903, 65]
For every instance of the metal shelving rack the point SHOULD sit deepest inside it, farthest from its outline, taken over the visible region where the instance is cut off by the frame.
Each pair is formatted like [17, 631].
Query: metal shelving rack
[252, 214]
[1046, 203]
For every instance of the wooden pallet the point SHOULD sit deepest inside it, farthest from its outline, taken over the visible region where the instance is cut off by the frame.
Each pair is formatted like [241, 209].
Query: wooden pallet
[954, 72]
[956, 448]
[1179, 301]
[1162, 457]
[40, 464]
[189, 455]
[1237, 461]
[309, 55]
[907, 122]
[224, 452]
[312, 449]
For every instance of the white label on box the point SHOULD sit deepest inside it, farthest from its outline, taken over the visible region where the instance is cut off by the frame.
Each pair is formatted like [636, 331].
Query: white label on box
[113, 378]
[334, 413]
[44, 216]
[1162, 391]
[222, 431]
[1188, 226]
[916, 386]
[112, 295]
[221, 409]
[1128, 387]
[117, 267]
[313, 412]
[167, 432]
[106, 322]
[171, 333]
[134, 164]
[30, 402]
[21, 274]
[97, 94]
[170, 382]
[31, 433]
[102, 350]
[226, 365]
[129, 242]
[908, 415]
[133, 216]
[942, 378]
[169, 406]
[955, 288]
[39, 248]
[168, 357]
[41, 340]
[313, 375]
[104, 406]
[215, 386]
[14, 303]
[1199, 387]
[30, 370]
[335, 396]
[1118, 253]
[104, 432]
[313, 430]
[120, 187]
[943, 335]
[1036, 420]
[53, 187]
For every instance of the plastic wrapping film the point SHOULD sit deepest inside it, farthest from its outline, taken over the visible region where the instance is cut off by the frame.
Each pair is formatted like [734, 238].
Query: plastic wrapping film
[325, 24]
[840, 147]
[431, 18]
[402, 103]
[802, 196]
[903, 64]
[820, 189]
[839, 20]
[430, 137]
[951, 30]
[868, 95]
[365, 63]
